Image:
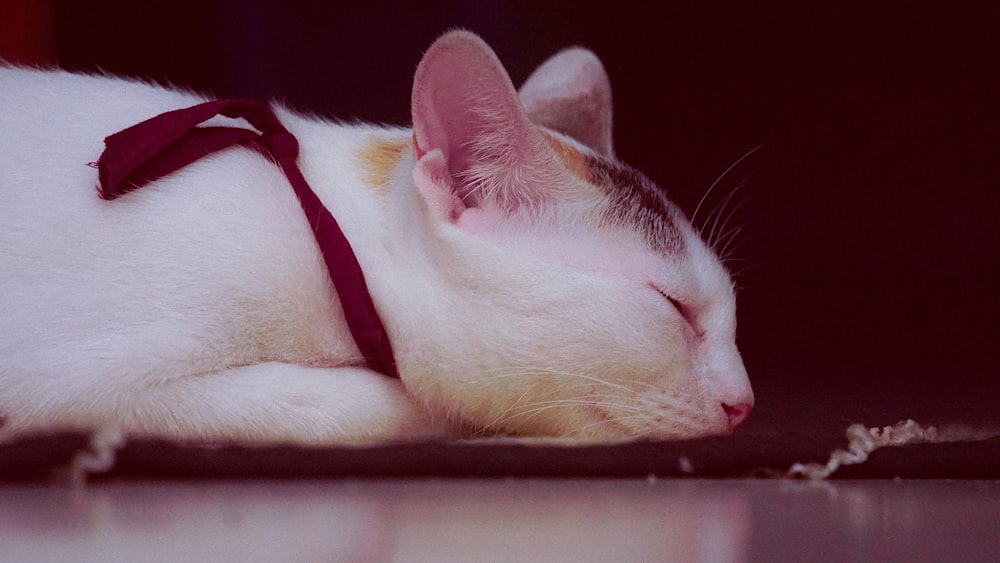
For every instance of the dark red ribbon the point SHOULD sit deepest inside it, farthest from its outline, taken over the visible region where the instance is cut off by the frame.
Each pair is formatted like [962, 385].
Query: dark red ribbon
[165, 143]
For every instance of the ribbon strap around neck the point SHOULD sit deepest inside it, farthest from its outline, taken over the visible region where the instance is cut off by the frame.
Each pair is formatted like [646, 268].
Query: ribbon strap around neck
[158, 146]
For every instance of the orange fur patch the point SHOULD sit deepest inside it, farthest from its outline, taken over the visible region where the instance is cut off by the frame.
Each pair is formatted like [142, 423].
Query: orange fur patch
[574, 160]
[380, 158]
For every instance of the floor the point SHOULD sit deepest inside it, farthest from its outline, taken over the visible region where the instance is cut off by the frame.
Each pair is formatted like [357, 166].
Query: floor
[498, 520]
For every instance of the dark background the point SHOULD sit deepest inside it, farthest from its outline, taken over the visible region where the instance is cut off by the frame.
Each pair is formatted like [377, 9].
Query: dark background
[869, 216]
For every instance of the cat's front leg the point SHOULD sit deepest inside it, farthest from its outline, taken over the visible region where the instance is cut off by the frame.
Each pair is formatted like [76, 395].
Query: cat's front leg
[282, 403]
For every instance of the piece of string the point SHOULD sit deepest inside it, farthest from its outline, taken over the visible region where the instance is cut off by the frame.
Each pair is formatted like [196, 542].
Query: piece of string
[167, 142]
[862, 441]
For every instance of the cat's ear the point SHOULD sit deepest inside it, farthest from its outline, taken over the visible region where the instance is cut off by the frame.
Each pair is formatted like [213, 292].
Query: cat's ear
[571, 93]
[474, 144]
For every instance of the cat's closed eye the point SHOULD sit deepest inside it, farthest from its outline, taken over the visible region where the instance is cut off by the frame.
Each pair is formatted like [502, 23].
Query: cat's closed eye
[684, 310]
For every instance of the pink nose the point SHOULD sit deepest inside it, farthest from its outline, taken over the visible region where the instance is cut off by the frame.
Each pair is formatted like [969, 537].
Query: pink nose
[737, 413]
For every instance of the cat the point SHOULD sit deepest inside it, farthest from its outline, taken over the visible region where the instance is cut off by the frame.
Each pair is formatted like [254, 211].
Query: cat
[530, 283]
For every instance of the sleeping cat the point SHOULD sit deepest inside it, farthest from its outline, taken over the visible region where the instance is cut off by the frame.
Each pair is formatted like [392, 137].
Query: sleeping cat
[529, 283]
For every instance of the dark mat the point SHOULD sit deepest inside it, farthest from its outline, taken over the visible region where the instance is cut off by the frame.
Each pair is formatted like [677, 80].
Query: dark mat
[744, 455]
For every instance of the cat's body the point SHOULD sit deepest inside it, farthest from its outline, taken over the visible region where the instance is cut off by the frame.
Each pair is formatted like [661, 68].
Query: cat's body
[519, 280]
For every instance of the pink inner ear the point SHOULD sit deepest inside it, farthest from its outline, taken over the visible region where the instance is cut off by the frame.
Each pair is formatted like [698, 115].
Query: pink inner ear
[460, 92]
[464, 105]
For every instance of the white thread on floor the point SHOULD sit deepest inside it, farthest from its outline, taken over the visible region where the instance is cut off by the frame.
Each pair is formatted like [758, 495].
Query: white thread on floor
[98, 457]
[863, 440]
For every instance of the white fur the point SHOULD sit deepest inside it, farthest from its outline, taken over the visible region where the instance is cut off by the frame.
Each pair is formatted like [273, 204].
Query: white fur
[198, 307]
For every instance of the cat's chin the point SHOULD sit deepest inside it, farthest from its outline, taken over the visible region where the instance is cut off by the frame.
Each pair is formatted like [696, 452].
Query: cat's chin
[607, 430]
[592, 439]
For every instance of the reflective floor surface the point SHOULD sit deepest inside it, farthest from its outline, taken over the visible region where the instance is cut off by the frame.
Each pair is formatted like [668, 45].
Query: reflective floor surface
[497, 520]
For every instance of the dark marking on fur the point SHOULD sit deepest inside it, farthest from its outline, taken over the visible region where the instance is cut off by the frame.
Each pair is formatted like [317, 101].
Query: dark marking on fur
[636, 201]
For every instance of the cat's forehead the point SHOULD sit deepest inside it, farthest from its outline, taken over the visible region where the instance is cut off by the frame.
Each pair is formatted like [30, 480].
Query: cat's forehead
[634, 201]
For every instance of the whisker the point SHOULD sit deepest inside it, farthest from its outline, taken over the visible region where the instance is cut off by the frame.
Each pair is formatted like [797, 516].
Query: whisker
[542, 406]
[719, 222]
[538, 371]
[737, 274]
[593, 424]
[729, 217]
[719, 179]
[638, 403]
[555, 403]
[679, 427]
[744, 269]
[714, 217]
[725, 241]
[495, 422]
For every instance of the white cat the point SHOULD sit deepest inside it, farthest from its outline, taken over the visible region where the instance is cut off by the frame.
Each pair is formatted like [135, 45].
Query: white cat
[530, 284]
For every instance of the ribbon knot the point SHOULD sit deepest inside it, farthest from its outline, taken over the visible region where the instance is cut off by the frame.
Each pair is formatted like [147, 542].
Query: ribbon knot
[167, 142]
[281, 145]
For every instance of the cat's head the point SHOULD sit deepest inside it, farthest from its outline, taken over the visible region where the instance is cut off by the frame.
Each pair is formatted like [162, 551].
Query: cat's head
[570, 296]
